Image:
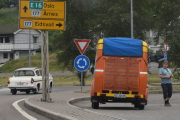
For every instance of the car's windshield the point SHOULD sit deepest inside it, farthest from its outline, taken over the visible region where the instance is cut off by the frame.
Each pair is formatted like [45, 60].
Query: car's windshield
[24, 73]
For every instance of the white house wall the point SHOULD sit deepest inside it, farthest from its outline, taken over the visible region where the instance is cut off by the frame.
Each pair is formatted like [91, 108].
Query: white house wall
[2, 60]
[23, 36]
[151, 39]
[19, 44]
[23, 53]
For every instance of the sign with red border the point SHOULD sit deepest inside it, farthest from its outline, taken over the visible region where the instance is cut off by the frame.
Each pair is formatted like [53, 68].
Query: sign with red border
[82, 44]
[165, 47]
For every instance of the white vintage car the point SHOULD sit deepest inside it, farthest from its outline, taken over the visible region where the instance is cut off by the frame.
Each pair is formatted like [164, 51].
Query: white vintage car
[26, 80]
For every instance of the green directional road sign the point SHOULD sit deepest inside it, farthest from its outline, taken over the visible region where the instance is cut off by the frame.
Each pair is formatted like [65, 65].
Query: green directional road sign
[36, 5]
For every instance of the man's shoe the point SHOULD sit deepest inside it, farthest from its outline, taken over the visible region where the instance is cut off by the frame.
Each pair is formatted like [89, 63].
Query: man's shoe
[167, 105]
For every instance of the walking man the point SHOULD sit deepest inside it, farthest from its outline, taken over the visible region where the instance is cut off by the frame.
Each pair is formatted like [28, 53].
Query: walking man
[165, 74]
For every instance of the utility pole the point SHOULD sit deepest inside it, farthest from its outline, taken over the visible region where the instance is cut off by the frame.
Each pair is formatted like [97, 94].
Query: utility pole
[45, 65]
[29, 48]
[132, 19]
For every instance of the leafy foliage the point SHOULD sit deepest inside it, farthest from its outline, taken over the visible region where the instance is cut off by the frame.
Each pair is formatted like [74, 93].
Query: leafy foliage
[168, 25]
[103, 19]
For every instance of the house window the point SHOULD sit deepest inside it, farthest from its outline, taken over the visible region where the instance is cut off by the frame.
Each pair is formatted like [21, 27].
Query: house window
[6, 39]
[35, 39]
[11, 55]
[5, 55]
[1, 39]
[153, 33]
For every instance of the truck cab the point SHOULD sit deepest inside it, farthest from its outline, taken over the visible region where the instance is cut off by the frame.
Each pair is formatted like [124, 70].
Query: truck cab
[120, 73]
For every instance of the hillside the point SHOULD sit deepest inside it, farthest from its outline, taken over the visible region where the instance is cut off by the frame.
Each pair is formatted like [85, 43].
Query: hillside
[9, 16]
[35, 62]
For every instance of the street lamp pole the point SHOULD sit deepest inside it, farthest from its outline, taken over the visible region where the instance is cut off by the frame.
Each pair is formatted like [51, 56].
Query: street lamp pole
[132, 19]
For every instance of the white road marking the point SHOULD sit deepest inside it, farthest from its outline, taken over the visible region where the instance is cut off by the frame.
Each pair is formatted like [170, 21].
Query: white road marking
[15, 104]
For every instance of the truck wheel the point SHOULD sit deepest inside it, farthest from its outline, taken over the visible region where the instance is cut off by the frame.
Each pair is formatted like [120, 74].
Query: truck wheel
[37, 89]
[141, 107]
[95, 105]
[14, 92]
[136, 105]
[27, 91]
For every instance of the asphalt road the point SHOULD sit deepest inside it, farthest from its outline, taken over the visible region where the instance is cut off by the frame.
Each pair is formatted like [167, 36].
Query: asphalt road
[8, 112]
[155, 109]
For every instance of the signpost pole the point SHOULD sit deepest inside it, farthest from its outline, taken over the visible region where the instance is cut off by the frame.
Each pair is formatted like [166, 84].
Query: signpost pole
[81, 80]
[45, 65]
[33, 16]
[29, 48]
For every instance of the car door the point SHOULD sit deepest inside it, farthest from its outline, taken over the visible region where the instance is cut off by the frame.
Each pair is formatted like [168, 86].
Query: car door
[38, 78]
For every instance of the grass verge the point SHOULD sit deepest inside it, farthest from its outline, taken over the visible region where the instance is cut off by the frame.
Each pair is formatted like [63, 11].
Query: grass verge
[154, 78]
[10, 66]
[4, 80]
[72, 80]
[159, 88]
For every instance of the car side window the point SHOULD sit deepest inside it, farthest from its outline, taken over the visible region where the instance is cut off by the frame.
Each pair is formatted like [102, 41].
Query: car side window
[40, 72]
[29, 73]
[37, 73]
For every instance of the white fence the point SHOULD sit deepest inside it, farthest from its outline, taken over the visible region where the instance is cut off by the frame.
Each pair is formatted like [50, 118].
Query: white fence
[10, 47]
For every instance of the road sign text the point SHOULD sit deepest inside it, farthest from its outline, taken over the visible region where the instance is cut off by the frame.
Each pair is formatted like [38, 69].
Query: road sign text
[35, 4]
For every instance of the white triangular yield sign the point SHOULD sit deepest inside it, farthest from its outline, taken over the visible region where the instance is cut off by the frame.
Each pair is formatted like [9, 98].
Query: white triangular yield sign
[82, 45]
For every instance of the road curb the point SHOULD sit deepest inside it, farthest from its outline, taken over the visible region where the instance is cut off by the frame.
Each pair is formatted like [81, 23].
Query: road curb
[59, 116]
[75, 100]
[160, 91]
[45, 112]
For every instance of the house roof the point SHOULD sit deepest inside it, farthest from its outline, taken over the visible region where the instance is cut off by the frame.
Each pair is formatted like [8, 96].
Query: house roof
[8, 29]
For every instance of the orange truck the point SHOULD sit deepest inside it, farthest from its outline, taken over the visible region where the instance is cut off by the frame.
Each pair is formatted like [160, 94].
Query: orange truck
[120, 73]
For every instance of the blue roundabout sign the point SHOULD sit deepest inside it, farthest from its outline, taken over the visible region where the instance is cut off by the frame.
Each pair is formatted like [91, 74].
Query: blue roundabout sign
[81, 63]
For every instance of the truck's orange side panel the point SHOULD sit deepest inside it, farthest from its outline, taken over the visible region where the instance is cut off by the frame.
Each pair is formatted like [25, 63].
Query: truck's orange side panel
[99, 72]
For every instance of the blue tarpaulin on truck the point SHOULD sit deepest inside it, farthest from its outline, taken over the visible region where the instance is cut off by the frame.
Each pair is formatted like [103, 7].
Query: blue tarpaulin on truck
[122, 47]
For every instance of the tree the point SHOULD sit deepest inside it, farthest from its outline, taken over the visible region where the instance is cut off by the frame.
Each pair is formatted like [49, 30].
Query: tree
[168, 25]
[2, 3]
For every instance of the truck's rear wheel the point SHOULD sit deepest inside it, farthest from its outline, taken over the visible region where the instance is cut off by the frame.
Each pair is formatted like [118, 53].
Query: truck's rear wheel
[95, 105]
[14, 92]
[27, 91]
[141, 107]
[136, 105]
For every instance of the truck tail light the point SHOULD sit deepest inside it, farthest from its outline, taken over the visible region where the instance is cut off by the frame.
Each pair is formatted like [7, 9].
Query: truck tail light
[137, 96]
[32, 80]
[8, 81]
